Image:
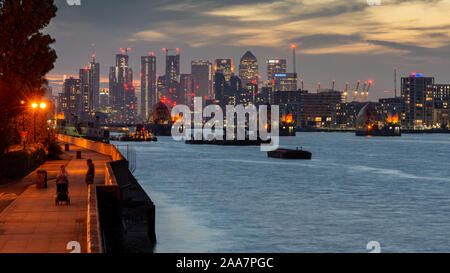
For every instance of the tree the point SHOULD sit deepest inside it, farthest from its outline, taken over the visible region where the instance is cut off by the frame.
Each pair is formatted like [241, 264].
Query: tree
[25, 57]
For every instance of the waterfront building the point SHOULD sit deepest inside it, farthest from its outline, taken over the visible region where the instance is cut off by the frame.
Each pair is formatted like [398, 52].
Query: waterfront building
[317, 108]
[248, 69]
[417, 93]
[343, 114]
[148, 85]
[202, 76]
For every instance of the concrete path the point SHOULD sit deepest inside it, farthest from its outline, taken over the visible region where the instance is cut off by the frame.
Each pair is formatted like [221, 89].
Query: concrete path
[33, 223]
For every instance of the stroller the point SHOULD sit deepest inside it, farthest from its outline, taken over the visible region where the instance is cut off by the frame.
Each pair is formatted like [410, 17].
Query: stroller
[62, 192]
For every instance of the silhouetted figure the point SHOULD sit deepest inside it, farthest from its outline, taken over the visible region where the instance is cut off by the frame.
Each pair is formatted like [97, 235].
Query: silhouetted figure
[90, 173]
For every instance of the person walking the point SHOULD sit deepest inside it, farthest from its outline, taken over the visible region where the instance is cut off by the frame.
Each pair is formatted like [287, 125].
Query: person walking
[63, 176]
[90, 173]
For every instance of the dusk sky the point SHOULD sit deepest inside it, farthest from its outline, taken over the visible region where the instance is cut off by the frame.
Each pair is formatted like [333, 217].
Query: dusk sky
[345, 40]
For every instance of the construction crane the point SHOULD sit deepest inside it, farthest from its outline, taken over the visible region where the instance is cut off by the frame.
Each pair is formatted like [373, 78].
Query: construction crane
[355, 94]
[332, 85]
[346, 91]
[302, 83]
[367, 91]
[361, 98]
[170, 49]
[318, 87]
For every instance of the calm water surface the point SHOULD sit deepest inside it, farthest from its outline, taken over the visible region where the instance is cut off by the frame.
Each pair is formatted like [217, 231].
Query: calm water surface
[355, 189]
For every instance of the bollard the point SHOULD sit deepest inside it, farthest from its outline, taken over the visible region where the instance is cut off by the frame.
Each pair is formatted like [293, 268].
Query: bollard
[78, 154]
[41, 179]
[66, 147]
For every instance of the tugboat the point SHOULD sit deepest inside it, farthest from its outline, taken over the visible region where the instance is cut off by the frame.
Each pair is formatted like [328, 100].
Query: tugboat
[290, 154]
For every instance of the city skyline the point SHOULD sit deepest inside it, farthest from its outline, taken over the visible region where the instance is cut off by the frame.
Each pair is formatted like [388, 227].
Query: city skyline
[337, 50]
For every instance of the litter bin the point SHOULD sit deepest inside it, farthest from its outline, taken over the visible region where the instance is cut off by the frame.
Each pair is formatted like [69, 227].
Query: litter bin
[66, 147]
[41, 179]
[78, 154]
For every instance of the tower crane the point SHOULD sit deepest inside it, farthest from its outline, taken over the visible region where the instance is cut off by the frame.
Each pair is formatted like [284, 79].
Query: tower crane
[355, 94]
[361, 98]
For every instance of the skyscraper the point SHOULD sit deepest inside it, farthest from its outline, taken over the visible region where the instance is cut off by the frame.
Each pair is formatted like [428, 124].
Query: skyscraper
[284, 82]
[186, 89]
[202, 78]
[122, 90]
[225, 67]
[173, 77]
[148, 85]
[94, 85]
[248, 69]
[417, 92]
[84, 106]
[275, 66]
[72, 97]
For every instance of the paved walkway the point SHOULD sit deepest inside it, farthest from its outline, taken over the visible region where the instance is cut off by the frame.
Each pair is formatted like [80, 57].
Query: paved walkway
[33, 223]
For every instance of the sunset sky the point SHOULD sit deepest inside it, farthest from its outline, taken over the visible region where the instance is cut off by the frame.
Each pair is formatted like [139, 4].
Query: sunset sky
[345, 40]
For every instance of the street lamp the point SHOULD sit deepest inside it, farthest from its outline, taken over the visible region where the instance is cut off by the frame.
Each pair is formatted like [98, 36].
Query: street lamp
[35, 105]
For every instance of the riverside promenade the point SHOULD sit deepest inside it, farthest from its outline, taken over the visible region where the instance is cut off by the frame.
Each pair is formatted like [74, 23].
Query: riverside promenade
[32, 223]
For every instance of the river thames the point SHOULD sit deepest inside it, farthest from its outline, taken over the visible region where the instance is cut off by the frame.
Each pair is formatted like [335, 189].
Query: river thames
[395, 191]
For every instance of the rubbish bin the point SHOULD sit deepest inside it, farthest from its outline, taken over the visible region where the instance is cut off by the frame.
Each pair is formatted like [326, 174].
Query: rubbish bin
[41, 179]
[66, 147]
[78, 154]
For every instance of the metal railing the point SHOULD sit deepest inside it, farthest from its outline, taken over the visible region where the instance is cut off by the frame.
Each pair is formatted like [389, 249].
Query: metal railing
[129, 152]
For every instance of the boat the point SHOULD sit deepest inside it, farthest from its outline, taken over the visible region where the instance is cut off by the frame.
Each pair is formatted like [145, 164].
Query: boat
[290, 154]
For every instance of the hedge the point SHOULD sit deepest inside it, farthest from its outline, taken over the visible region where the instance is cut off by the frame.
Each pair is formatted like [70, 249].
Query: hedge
[20, 163]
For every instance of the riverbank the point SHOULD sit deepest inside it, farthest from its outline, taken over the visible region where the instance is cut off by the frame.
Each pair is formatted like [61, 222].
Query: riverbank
[404, 131]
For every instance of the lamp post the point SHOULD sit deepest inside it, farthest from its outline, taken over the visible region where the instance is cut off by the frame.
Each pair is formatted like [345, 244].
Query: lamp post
[34, 105]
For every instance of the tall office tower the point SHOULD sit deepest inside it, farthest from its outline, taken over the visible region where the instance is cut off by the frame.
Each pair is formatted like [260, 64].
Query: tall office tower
[275, 66]
[94, 85]
[248, 69]
[160, 88]
[84, 81]
[187, 89]
[220, 85]
[148, 85]
[112, 85]
[173, 77]
[224, 67]
[417, 93]
[123, 91]
[72, 97]
[103, 98]
[202, 76]
[284, 82]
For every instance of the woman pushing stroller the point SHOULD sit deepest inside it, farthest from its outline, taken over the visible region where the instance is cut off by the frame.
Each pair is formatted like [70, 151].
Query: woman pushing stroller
[62, 186]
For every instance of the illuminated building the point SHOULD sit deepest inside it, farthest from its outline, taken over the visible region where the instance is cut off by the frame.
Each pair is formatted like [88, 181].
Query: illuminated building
[187, 89]
[148, 85]
[248, 69]
[441, 92]
[224, 67]
[284, 82]
[94, 85]
[343, 114]
[71, 98]
[275, 66]
[417, 93]
[202, 77]
[122, 91]
[172, 78]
